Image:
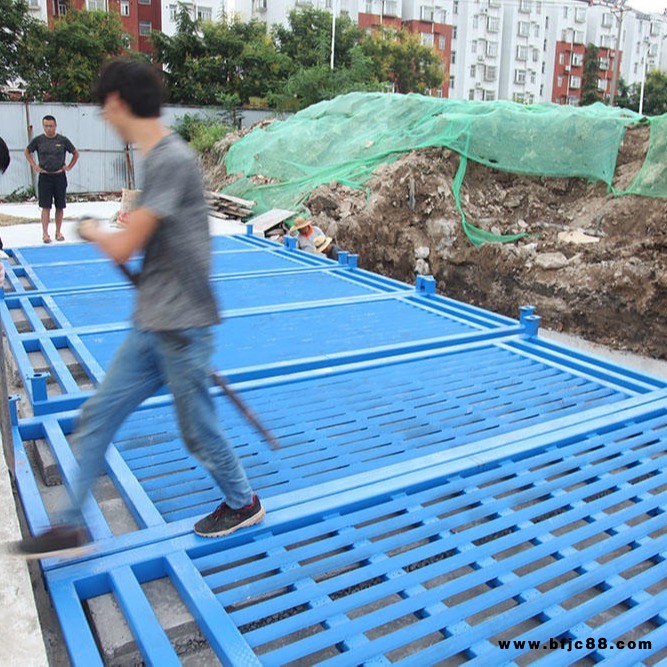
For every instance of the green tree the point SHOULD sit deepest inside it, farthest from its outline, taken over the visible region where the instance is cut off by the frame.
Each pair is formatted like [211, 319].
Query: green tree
[400, 58]
[313, 84]
[218, 63]
[589, 80]
[306, 41]
[18, 31]
[65, 61]
[655, 94]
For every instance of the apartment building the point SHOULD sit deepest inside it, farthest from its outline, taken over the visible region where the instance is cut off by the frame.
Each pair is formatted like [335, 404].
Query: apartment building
[523, 35]
[564, 48]
[476, 49]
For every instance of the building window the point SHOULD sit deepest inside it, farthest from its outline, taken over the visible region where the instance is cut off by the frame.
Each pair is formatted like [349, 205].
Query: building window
[521, 52]
[489, 95]
[579, 37]
[538, 7]
[473, 46]
[604, 63]
[536, 29]
[492, 23]
[96, 5]
[525, 6]
[492, 49]
[426, 38]
[454, 32]
[473, 71]
[453, 57]
[61, 7]
[575, 82]
[471, 94]
[543, 66]
[602, 85]
[607, 20]
[577, 60]
[519, 76]
[579, 14]
[523, 29]
[125, 7]
[560, 82]
[442, 43]
[145, 28]
[427, 13]
[533, 78]
[490, 73]
[144, 2]
[455, 7]
[565, 12]
[204, 14]
[451, 82]
[561, 58]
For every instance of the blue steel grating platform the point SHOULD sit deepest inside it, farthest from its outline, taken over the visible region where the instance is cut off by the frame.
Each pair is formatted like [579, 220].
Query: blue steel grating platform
[444, 478]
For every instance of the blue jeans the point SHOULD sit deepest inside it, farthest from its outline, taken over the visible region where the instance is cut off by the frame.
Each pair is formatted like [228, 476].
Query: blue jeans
[145, 361]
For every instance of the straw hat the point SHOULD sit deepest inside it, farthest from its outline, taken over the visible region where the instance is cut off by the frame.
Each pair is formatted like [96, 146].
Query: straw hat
[322, 243]
[300, 223]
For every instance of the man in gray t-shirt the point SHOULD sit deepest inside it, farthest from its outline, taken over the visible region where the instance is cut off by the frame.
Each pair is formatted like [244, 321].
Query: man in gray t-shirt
[171, 341]
[52, 149]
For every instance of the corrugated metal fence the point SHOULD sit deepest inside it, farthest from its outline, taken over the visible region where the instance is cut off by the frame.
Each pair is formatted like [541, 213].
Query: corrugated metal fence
[103, 165]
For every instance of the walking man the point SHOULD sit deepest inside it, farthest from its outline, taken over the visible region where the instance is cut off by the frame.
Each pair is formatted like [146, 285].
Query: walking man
[170, 342]
[51, 150]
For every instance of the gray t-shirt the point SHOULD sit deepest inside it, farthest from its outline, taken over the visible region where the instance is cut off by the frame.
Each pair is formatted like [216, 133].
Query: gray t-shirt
[307, 243]
[51, 151]
[174, 288]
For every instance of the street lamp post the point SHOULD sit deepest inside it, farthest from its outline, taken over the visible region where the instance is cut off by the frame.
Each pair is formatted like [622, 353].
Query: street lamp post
[333, 32]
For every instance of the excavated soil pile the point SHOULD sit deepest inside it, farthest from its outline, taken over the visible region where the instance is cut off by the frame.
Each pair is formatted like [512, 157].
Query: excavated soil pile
[592, 264]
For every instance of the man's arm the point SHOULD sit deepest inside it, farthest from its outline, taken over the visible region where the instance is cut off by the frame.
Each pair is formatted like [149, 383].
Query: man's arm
[33, 164]
[75, 157]
[140, 225]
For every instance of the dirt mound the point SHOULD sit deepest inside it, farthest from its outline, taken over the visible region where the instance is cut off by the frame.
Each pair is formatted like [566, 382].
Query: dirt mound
[592, 264]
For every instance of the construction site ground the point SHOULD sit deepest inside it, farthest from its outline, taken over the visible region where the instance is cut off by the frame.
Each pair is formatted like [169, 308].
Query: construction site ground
[608, 284]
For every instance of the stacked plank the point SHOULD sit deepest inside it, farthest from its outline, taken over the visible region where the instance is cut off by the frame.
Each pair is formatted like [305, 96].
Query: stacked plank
[227, 207]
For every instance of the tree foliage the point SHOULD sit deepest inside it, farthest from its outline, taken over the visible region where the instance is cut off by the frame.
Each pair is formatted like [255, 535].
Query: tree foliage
[59, 64]
[589, 80]
[400, 58]
[18, 32]
[213, 63]
[77, 47]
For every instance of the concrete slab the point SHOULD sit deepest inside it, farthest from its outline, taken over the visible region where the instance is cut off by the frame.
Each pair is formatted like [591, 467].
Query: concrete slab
[21, 642]
[30, 233]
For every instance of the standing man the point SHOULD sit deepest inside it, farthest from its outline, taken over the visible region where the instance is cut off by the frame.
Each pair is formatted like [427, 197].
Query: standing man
[51, 150]
[171, 341]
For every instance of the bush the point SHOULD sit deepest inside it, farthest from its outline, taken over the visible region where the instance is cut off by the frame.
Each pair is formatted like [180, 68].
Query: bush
[202, 132]
[20, 195]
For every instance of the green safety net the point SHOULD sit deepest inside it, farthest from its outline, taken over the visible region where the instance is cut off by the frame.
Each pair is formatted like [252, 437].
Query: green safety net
[346, 138]
[651, 181]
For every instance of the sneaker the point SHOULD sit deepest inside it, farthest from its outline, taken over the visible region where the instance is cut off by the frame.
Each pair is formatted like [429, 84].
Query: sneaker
[225, 520]
[60, 541]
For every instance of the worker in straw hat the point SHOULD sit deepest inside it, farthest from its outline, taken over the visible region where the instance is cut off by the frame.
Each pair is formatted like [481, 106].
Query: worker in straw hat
[324, 245]
[307, 233]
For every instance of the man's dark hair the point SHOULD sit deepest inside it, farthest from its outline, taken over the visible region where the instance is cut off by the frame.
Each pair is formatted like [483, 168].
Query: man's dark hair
[136, 82]
[49, 117]
[4, 156]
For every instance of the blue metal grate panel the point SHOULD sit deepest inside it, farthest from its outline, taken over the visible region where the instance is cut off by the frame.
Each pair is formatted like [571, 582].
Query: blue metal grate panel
[81, 309]
[259, 339]
[564, 539]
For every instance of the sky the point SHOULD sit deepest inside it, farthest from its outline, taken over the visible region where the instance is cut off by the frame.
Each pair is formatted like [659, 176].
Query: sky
[649, 6]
